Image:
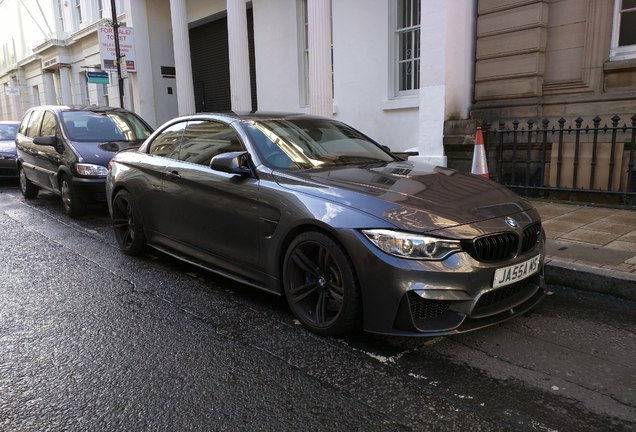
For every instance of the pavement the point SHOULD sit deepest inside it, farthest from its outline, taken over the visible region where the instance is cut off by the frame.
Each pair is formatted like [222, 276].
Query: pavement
[590, 248]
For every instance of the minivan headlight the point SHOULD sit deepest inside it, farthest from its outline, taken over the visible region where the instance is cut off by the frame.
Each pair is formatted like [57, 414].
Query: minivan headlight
[412, 246]
[91, 170]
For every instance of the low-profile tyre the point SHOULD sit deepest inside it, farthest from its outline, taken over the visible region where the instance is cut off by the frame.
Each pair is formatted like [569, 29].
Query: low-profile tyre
[29, 190]
[73, 204]
[320, 285]
[127, 224]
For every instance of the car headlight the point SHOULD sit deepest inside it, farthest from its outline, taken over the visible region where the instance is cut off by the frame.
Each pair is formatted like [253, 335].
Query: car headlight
[91, 170]
[412, 246]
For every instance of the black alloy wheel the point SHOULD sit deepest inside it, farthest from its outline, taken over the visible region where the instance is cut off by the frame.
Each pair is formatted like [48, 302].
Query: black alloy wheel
[127, 224]
[320, 285]
[73, 205]
[29, 190]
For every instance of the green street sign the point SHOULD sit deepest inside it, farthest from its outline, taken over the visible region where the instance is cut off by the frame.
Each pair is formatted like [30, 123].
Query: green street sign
[98, 77]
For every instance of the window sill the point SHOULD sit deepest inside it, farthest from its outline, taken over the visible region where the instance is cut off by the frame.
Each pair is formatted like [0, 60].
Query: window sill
[401, 103]
[619, 64]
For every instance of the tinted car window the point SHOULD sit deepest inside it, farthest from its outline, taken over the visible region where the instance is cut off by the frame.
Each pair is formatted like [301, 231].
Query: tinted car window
[202, 140]
[34, 124]
[49, 124]
[8, 131]
[166, 144]
[25, 124]
[104, 126]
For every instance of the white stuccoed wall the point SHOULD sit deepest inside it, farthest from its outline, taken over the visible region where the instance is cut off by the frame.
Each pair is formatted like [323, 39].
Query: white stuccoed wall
[362, 62]
[363, 94]
[277, 49]
[446, 71]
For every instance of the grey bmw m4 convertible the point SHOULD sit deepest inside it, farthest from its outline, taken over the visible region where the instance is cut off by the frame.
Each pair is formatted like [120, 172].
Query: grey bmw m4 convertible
[311, 209]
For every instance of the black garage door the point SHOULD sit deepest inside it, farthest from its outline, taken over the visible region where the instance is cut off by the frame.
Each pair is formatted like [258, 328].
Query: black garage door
[211, 65]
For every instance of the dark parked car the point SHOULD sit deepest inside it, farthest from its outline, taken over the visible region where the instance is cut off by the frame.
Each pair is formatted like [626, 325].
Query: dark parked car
[8, 131]
[314, 210]
[66, 150]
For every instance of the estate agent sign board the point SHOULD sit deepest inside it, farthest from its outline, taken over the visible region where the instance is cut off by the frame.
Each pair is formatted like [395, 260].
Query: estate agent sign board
[107, 48]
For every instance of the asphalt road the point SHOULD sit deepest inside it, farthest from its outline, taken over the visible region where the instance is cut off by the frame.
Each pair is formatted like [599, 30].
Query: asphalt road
[94, 340]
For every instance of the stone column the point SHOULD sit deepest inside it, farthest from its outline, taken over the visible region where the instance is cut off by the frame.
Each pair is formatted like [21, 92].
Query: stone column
[182, 61]
[65, 85]
[240, 89]
[143, 96]
[319, 34]
[50, 97]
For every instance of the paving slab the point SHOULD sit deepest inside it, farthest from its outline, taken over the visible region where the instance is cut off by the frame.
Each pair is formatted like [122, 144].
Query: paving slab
[590, 248]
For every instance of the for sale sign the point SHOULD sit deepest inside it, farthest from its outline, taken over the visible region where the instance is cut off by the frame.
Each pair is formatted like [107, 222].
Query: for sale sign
[107, 51]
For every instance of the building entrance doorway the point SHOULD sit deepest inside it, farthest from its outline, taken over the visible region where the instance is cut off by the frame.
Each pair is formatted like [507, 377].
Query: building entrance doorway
[211, 66]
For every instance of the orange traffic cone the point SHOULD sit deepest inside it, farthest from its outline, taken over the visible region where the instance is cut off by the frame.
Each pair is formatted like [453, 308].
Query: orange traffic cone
[480, 165]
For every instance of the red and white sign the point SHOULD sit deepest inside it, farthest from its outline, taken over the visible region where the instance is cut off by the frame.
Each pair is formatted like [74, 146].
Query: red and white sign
[107, 47]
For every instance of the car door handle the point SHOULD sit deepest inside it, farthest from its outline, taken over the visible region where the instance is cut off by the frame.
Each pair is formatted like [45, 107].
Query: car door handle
[173, 175]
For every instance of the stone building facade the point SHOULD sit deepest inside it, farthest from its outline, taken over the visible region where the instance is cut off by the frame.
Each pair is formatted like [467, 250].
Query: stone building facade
[555, 58]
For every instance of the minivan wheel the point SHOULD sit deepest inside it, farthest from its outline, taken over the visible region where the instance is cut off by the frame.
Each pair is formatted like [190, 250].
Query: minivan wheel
[127, 224]
[29, 190]
[320, 285]
[73, 205]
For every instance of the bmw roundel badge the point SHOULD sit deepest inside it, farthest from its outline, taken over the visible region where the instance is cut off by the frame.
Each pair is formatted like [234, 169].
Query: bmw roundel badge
[511, 222]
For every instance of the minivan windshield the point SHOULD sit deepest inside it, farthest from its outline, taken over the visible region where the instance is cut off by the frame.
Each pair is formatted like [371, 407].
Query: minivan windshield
[295, 144]
[8, 131]
[104, 126]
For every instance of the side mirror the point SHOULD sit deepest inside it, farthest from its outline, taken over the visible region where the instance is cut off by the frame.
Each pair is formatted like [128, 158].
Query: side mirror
[232, 162]
[47, 140]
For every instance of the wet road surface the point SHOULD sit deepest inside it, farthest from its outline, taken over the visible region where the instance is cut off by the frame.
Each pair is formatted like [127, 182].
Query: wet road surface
[91, 339]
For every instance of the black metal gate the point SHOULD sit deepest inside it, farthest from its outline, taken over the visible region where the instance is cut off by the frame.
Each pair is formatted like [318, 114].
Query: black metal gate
[575, 163]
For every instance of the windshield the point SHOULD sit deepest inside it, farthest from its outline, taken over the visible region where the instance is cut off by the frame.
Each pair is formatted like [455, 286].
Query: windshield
[296, 144]
[8, 131]
[104, 126]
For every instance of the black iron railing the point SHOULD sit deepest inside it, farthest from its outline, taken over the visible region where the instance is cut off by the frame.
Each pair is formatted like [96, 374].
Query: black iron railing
[575, 162]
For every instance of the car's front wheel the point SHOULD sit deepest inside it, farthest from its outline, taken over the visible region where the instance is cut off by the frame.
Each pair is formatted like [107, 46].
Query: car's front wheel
[127, 224]
[29, 190]
[320, 285]
[73, 205]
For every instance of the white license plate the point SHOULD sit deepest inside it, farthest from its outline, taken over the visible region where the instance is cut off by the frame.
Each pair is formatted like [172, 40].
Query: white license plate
[514, 273]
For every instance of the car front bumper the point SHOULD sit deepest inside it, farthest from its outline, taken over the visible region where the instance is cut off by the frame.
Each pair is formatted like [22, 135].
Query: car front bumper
[91, 190]
[8, 166]
[434, 298]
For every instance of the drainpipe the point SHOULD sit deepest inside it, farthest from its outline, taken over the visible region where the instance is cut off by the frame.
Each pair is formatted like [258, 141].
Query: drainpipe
[120, 80]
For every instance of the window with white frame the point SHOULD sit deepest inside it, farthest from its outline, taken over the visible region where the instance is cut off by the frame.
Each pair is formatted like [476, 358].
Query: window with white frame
[100, 9]
[407, 46]
[77, 6]
[60, 14]
[624, 30]
[304, 35]
[304, 76]
[104, 95]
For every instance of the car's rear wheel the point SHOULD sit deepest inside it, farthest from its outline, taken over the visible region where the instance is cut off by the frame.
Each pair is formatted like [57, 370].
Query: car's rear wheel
[127, 224]
[320, 285]
[73, 205]
[29, 190]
